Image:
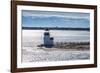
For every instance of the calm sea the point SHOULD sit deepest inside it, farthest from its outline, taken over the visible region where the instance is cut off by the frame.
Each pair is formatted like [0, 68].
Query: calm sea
[36, 36]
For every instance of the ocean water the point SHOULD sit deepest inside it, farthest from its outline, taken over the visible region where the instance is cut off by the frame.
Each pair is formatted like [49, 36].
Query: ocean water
[35, 37]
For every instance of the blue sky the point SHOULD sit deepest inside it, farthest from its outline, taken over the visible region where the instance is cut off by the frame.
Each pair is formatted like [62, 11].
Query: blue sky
[33, 18]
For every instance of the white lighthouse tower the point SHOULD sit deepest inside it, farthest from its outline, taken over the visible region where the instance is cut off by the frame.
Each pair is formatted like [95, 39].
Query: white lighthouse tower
[48, 41]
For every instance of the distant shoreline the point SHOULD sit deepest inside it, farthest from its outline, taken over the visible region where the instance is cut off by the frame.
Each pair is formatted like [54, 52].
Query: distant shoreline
[54, 28]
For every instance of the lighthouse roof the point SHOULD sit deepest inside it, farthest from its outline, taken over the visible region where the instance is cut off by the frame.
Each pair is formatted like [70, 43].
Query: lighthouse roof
[47, 29]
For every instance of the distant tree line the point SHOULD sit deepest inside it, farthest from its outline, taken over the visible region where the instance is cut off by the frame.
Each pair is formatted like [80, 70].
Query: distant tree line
[54, 28]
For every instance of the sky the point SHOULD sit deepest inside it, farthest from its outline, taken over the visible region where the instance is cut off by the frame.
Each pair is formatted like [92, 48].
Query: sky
[33, 18]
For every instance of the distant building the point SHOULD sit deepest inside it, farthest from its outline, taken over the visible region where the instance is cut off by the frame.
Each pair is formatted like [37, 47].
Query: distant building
[48, 41]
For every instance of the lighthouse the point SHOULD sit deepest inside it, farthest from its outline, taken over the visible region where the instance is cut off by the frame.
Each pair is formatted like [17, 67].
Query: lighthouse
[48, 41]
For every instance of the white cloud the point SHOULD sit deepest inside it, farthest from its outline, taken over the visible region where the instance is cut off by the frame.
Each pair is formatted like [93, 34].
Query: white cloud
[48, 14]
